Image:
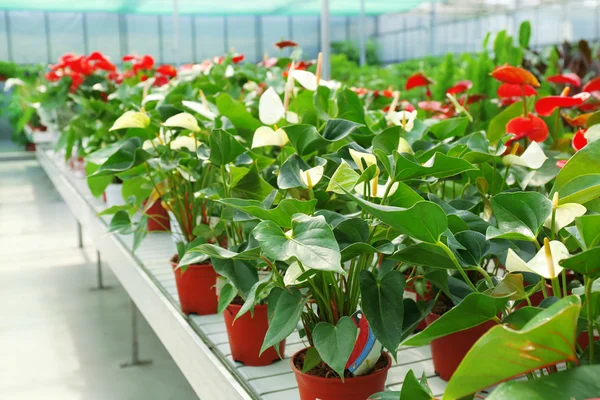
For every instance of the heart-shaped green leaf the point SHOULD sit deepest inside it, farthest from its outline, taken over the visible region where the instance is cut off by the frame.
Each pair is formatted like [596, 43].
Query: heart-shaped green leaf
[285, 317]
[519, 215]
[449, 128]
[228, 293]
[382, 303]
[502, 353]
[281, 215]
[335, 343]
[589, 229]
[586, 263]
[129, 155]
[579, 180]
[424, 254]
[438, 166]
[224, 147]
[311, 241]
[306, 139]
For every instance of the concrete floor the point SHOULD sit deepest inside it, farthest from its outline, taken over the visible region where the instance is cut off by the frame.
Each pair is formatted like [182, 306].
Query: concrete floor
[59, 339]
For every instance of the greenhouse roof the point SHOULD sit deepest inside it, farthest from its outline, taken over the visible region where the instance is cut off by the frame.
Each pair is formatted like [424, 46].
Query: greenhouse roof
[213, 7]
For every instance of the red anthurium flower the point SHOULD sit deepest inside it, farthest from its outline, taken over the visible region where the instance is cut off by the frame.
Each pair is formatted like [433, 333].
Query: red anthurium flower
[579, 140]
[160, 80]
[512, 90]
[96, 56]
[360, 91]
[546, 106]
[147, 62]
[587, 107]
[52, 76]
[387, 93]
[237, 59]
[431, 106]
[460, 87]
[218, 60]
[417, 80]
[286, 43]
[105, 65]
[167, 70]
[515, 75]
[532, 127]
[580, 120]
[566, 79]
[474, 98]
[592, 85]
[270, 62]
[128, 57]
[406, 106]
[561, 163]
[76, 80]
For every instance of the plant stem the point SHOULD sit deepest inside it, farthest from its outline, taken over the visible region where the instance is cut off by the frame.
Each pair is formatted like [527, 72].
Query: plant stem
[588, 307]
[460, 269]
[483, 272]
[556, 288]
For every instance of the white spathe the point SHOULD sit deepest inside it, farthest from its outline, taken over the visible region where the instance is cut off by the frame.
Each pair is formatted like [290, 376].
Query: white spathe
[376, 189]
[266, 136]
[312, 176]
[200, 108]
[533, 157]
[405, 119]
[152, 97]
[186, 142]
[538, 264]
[229, 71]
[183, 120]
[565, 214]
[292, 273]
[404, 146]
[270, 107]
[358, 156]
[131, 119]
[306, 79]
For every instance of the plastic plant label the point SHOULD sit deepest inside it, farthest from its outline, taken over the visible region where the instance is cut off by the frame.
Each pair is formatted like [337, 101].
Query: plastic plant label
[367, 349]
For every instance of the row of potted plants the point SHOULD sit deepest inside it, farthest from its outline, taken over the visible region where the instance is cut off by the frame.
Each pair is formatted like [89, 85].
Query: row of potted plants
[296, 201]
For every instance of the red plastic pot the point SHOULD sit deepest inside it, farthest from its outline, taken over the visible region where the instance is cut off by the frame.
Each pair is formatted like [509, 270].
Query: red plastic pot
[247, 334]
[30, 146]
[584, 340]
[411, 293]
[358, 388]
[448, 351]
[196, 288]
[159, 220]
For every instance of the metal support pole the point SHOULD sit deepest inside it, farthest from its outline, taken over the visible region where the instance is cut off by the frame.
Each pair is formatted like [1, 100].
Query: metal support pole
[48, 41]
[290, 28]
[194, 50]
[84, 28]
[161, 50]
[363, 34]
[258, 37]
[515, 19]
[325, 40]
[79, 235]
[135, 346]
[99, 274]
[225, 34]
[176, 31]
[432, 29]
[9, 46]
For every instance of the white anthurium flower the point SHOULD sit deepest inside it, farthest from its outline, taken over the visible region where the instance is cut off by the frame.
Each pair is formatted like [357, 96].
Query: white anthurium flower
[358, 157]
[544, 263]
[332, 84]
[250, 86]
[306, 79]
[100, 87]
[163, 137]
[404, 146]
[533, 157]
[292, 274]
[292, 117]
[266, 136]
[183, 120]
[377, 190]
[11, 82]
[187, 142]
[131, 119]
[312, 176]
[200, 108]
[153, 97]
[405, 119]
[565, 214]
[229, 71]
[592, 133]
[270, 107]
[41, 88]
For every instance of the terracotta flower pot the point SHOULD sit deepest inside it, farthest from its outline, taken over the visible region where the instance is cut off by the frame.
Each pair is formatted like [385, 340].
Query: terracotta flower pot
[357, 388]
[246, 336]
[160, 218]
[448, 351]
[196, 288]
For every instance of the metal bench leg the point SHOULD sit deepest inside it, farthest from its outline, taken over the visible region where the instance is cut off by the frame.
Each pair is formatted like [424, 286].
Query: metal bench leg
[135, 351]
[99, 275]
[79, 235]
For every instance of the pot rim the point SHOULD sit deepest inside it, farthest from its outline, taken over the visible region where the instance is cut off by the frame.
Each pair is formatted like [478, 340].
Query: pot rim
[357, 379]
[175, 260]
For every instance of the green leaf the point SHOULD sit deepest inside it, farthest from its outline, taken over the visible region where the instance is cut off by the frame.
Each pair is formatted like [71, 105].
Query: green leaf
[201, 253]
[312, 357]
[255, 294]
[306, 139]
[311, 242]
[475, 247]
[335, 343]
[579, 180]
[524, 34]
[224, 147]
[388, 140]
[585, 263]
[247, 184]
[452, 127]
[281, 215]
[577, 383]
[519, 215]
[438, 166]
[238, 114]
[497, 128]
[424, 221]
[382, 303]
[129, 155]
[344, 176]
[228, 293]
[424, 254]
[97, 184]
[502, 353]
[588, 227]
[240, 273]
[474, 310]
[285, 317]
